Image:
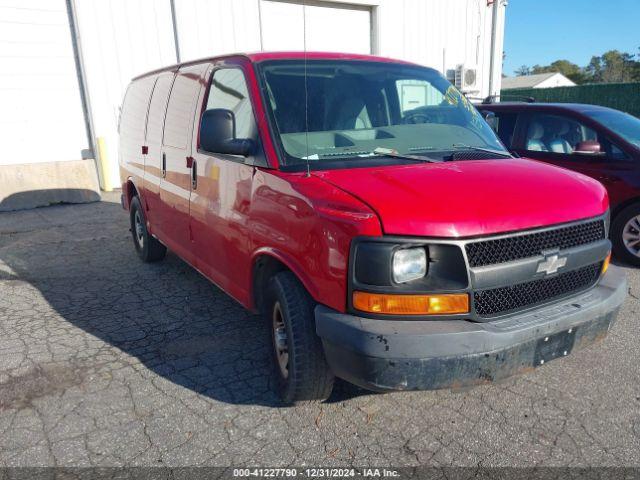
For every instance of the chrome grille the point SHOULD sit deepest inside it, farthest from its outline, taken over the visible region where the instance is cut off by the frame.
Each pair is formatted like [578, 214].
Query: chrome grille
[500, 250]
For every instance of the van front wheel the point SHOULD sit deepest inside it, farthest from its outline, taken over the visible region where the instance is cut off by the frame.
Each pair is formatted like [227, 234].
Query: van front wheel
[300, 365]
[149, 249]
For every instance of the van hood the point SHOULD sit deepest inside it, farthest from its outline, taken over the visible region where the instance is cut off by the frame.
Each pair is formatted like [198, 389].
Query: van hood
[471, 198]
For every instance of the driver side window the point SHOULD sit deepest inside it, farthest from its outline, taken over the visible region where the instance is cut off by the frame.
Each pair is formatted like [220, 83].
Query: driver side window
[612, 150]
[229, 91]
[558, 134]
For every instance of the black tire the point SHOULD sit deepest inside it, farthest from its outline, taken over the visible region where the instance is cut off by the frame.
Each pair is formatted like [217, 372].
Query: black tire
[620, 223]
[308, 377]
[149, 249]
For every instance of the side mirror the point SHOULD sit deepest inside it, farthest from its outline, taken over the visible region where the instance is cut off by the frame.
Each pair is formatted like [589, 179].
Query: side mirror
[218, 134]
[492, 120]
[589, 147]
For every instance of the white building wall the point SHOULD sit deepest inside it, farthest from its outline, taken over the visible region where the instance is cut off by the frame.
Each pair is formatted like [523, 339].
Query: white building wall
[123, 38]
[120, 39]
[215, 27]
[438, 33]
[41, 118]
[441, 34]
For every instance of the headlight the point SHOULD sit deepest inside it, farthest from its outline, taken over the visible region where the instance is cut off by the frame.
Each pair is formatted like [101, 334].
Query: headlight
[409, 264]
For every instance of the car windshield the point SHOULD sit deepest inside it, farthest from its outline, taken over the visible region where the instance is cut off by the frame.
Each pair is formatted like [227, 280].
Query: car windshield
[327, 113]
[625, 125]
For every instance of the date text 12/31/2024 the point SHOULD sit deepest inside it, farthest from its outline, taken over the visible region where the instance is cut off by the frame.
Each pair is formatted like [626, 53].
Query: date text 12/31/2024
[314, 472]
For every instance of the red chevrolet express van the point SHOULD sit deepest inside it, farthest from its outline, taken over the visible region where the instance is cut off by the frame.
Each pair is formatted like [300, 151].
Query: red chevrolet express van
[366, 208]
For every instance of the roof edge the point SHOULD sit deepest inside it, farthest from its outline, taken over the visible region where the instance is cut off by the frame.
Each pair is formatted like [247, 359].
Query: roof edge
[286, 55]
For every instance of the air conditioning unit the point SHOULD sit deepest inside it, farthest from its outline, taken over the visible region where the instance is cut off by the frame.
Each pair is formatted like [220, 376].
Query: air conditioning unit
[466, 78]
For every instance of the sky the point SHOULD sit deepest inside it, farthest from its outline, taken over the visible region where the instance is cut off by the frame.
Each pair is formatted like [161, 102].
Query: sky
[542, 31]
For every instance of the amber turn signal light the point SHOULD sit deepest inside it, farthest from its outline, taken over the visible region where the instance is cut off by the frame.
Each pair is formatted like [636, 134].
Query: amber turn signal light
[444, 304]
[605, 265]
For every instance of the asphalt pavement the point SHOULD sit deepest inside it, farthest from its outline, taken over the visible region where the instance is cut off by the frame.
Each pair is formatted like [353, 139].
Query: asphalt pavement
[106, 361]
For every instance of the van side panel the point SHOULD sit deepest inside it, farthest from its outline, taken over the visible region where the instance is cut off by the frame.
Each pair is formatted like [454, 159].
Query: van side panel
[221, 202]
[172, 218]
[240, 213]
[243, 212]
[308, 224]
[153, 160]
[133, 119]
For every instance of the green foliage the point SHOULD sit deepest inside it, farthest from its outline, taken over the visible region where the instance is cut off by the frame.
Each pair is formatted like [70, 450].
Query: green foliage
[621, 96]
[611, 67]
[523, 70]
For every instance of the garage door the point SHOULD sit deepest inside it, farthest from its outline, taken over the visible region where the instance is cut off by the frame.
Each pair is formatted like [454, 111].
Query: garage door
[329, 27]
[41, 118]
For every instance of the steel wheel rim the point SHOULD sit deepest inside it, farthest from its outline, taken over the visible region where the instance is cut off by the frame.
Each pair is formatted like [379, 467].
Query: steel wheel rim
[280, 340]
[137, 220]
[631, 236]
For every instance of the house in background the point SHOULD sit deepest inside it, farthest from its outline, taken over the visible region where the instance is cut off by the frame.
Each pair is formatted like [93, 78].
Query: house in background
[67, 63]
[540, 80]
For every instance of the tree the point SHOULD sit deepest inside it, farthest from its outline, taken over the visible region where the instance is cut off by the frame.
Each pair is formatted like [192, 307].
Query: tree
[568, 69]
[594, 69]
[635, 69]
[614, 66]
[610, 67]
[522, 71]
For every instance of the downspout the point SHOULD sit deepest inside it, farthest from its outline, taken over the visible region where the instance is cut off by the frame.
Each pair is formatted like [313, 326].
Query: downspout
[494, 35]
[84, 91]
[174, 23]
[260, 23]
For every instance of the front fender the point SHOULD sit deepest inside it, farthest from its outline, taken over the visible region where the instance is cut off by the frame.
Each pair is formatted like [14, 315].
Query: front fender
[290, 262]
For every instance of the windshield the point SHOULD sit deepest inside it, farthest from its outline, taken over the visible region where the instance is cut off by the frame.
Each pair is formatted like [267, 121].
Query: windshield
[625, 125]
[345, 110]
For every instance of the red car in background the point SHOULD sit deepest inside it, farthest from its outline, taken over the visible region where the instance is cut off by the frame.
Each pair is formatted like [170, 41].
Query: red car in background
[600, 142]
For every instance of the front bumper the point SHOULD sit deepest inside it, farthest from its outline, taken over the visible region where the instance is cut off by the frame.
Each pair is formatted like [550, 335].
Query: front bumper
[428, 355]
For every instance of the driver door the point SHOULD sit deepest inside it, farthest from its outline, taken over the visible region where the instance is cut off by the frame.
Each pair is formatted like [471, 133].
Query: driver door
[220, 204]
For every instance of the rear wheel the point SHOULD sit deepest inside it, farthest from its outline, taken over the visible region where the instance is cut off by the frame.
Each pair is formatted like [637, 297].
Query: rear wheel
[299, 362]
[149, 249]
[625, 235]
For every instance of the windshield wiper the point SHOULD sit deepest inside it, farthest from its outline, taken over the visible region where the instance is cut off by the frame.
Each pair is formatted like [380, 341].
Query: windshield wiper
[388, 152]
[462, 146]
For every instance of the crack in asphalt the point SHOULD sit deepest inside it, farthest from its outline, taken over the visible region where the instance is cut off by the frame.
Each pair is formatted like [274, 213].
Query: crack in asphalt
[105, 361]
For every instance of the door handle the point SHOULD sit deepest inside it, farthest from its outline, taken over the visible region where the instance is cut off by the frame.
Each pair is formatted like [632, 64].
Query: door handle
[164, 165]
[194, 174]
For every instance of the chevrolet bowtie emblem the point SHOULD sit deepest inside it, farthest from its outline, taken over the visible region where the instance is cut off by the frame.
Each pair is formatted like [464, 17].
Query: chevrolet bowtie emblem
[551, 264]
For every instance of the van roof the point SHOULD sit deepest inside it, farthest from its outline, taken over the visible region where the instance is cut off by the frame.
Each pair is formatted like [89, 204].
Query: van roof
[257, 57]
